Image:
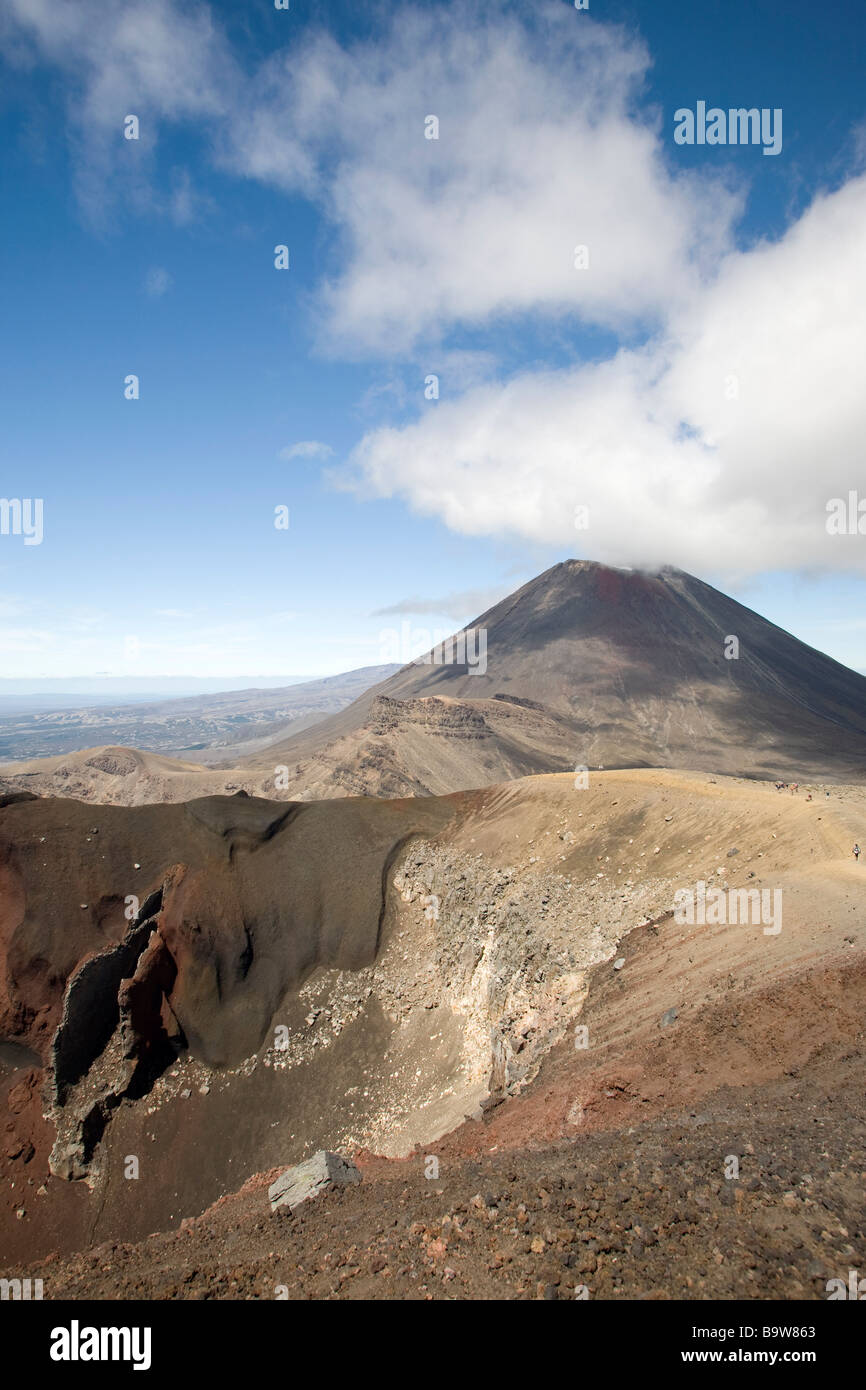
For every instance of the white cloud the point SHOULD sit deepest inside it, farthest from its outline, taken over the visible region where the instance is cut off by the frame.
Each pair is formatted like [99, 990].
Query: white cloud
[468, 603]
[670, 467]
[545, 143]
[540, 150]
[543, 146]
[169, 59]
[307, 449]
[159, 61]
[157, 282]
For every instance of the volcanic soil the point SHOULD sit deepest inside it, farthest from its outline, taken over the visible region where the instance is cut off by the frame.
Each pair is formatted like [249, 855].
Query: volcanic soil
[703, 1137]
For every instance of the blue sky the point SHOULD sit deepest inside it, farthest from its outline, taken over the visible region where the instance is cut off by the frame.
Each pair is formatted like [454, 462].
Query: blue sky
[608, 386]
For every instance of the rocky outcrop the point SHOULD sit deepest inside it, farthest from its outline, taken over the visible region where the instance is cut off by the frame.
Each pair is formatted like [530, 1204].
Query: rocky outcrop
[91, 1006]
[250, 897]
[451, 718]
[118, 762]
[309, 1179]
[117, 1034]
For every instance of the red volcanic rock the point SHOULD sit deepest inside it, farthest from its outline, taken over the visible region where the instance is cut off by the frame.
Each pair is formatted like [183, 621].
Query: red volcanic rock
[238, 900]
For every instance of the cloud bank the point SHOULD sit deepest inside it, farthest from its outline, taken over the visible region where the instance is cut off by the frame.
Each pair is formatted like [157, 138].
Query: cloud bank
[551, 204]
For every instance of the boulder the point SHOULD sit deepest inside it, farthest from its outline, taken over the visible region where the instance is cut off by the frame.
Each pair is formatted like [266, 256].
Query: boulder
[311, 1177]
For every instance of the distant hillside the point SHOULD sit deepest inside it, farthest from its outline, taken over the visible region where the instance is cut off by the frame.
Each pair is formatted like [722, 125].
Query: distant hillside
[193, 726]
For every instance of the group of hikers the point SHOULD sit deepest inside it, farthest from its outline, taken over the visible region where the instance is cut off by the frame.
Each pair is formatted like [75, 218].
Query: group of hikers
[794, 787]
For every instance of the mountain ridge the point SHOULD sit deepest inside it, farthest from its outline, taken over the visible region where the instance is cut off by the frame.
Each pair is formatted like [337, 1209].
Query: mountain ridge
[584, 666]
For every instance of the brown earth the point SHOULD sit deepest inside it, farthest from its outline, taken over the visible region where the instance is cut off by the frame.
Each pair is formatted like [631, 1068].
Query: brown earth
[640, 1202]
[500, 920]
